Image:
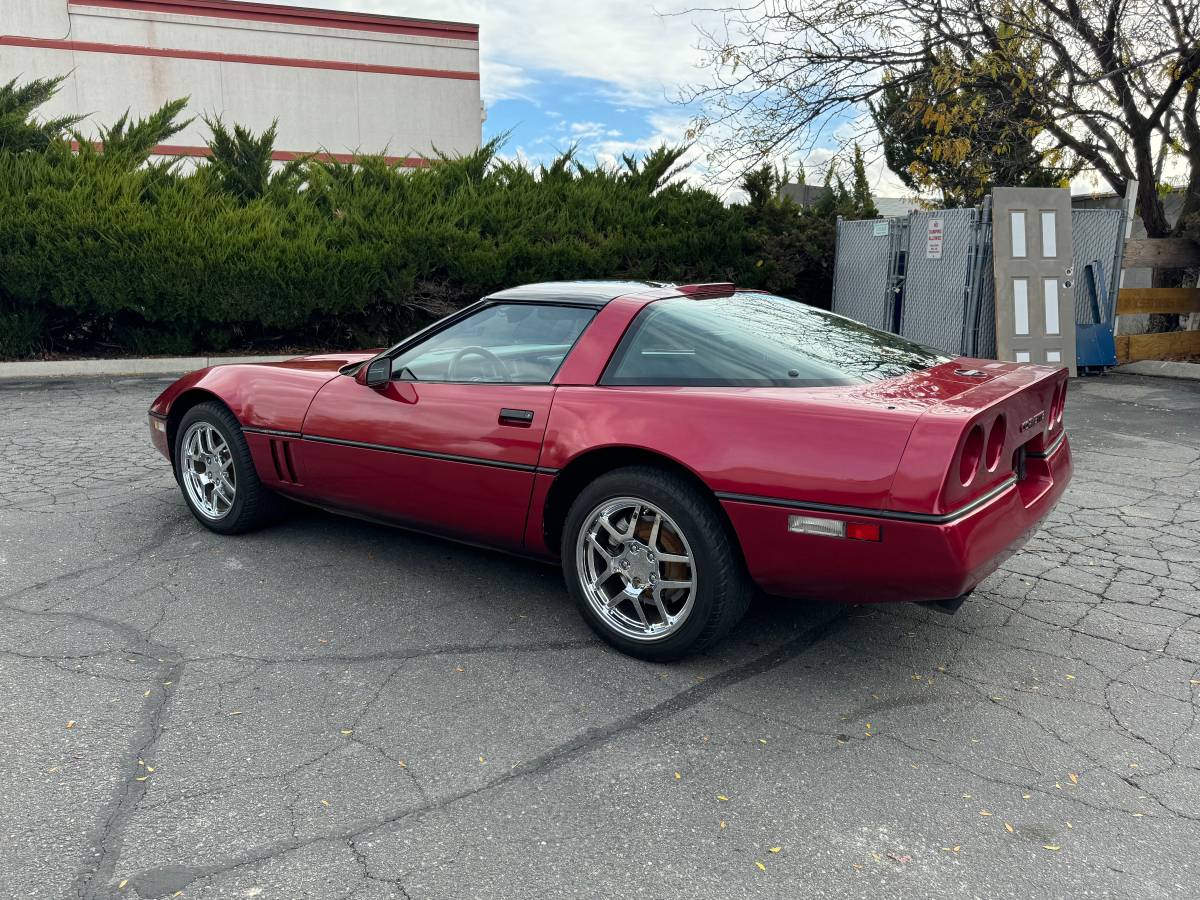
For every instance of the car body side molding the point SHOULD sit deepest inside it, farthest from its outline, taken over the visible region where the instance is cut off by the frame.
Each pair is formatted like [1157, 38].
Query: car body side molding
[929, 518]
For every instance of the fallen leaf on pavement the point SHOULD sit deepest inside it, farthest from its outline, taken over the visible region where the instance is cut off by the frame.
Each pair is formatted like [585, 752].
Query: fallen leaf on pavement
[71, 723]
[1008, 828]
[760, 865]
[1053, 847]
[776, 849]
[1074, 778]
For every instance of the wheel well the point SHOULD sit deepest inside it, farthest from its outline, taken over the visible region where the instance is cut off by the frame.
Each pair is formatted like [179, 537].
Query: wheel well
[179, 407]
[589, 466]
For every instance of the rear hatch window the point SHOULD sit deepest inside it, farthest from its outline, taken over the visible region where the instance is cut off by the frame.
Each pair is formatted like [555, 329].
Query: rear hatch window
[757, 340]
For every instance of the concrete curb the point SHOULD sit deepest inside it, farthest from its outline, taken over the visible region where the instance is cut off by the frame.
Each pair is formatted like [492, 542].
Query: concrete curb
[79, 368]
[1161, 369]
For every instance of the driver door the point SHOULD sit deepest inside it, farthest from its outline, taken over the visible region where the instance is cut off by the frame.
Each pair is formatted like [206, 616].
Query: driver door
[451, 443]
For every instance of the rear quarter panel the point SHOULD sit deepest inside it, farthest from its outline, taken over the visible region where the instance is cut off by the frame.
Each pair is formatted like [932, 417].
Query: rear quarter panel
[821, 445]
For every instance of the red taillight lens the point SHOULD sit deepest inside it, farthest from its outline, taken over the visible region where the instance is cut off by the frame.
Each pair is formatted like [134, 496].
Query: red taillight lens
[858, 531]
[968, 463]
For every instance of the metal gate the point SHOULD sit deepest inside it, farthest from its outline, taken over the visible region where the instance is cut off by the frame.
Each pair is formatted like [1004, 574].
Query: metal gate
[929, 276]
[942, 250]
[862, 273]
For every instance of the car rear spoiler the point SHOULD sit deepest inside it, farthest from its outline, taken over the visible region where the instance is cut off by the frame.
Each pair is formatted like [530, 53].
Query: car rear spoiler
[709, 289]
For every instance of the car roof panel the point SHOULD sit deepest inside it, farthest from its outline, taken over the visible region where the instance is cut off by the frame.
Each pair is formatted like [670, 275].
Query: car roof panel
[594, 293]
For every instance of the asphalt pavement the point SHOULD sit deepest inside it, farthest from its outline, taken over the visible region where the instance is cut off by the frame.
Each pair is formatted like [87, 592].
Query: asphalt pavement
[330, 708]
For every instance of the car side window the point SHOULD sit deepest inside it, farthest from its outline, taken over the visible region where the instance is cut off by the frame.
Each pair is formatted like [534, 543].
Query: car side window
[507, 343]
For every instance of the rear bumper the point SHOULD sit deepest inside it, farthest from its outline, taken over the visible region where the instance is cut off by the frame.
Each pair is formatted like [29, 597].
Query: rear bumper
[916, 559]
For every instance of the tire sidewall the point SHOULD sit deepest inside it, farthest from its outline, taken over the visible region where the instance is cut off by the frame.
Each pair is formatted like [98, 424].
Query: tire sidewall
[704, 550]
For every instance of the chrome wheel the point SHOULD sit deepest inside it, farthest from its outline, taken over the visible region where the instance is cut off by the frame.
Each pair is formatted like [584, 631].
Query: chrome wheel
[207, 470]
[636, 569]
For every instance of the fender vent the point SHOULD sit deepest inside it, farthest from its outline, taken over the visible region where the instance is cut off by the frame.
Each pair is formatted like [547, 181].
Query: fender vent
[281, 458]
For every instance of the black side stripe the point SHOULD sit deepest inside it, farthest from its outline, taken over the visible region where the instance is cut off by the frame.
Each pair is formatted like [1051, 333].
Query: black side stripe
[272, 432]
[928, 518]
[408, 451]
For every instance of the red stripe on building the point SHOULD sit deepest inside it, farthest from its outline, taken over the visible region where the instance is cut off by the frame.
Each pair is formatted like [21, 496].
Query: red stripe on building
[292, 15]
[168, 53]
[411, 162]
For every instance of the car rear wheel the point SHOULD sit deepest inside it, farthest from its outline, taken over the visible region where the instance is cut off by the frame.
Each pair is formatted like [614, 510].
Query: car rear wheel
[216, 472]
[651, 565]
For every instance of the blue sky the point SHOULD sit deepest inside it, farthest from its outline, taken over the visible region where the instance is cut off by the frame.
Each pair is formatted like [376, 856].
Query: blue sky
[556, 111]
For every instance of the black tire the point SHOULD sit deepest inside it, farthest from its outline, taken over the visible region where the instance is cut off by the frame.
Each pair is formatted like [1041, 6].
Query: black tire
[253, 504]
[723, 588]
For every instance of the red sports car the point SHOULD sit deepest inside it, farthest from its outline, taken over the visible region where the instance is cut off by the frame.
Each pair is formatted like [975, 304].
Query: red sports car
[671, 446]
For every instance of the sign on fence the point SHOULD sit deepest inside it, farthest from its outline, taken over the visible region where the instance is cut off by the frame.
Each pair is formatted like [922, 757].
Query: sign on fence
[933, 243]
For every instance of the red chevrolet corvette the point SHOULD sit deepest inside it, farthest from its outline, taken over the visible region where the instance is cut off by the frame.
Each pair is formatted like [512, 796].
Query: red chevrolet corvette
[671, 446]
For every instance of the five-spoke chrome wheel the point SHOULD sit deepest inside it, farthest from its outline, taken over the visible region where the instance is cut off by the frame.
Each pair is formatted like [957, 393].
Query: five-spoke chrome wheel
[206, 467]
[636, 569]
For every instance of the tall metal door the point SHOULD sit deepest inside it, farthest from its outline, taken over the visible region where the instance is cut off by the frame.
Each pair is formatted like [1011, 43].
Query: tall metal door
[1035, 279]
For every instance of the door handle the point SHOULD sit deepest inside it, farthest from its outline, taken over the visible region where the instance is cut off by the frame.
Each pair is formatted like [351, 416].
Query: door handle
[522, 418]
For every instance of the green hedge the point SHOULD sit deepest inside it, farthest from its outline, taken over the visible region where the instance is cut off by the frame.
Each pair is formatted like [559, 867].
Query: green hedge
[101, 252]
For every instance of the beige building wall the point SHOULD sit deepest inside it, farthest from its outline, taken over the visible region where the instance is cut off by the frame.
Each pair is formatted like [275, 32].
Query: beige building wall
[337, 82]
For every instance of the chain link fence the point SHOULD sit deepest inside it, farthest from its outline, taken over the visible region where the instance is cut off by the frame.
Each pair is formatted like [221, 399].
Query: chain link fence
[1097, 235]
[862, 272]
[928, 275]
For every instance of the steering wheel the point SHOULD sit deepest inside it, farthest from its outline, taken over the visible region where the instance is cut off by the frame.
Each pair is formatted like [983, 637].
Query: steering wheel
[499, 369]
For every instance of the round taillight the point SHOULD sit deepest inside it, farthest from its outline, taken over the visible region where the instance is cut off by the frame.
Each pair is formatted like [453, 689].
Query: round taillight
[968, 463]
[995, 443]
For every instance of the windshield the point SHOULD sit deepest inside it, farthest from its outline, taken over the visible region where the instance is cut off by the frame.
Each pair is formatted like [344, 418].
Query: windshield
[757, 340]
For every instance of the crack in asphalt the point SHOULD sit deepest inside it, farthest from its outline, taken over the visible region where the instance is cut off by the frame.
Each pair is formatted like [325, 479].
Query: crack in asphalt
[177, 878]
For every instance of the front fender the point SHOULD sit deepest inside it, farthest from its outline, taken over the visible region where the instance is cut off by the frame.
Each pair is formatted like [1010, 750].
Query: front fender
[259, 395]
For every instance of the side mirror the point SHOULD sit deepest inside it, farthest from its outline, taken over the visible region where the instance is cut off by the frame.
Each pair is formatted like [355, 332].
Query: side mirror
[377, 374]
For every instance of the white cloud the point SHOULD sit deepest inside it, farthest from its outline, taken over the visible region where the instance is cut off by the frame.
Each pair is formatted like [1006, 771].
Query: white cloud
[503, 82]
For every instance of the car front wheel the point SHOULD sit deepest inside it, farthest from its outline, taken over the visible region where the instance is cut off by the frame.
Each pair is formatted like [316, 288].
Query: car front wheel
[651, 564]
[216, 472]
